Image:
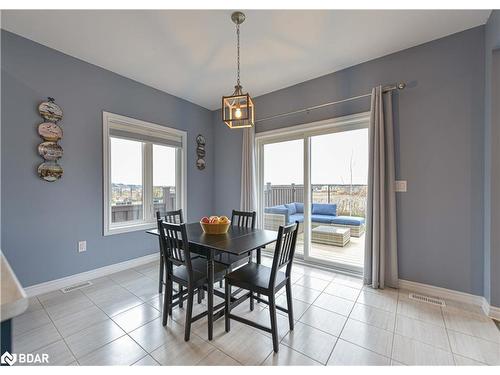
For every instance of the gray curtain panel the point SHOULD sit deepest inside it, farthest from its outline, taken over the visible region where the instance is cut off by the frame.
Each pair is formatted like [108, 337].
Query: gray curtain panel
[248, 198]
[381, 252]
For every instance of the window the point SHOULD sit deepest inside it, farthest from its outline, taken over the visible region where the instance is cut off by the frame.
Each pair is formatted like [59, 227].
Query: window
[144, 172]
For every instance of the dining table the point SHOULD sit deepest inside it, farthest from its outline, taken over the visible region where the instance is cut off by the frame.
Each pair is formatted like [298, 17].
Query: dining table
[237, 241]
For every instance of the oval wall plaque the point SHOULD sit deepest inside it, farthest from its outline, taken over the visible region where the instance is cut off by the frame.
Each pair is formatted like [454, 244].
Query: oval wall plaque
[50, 131]
[50, 111]
[50, 150]
[50, 171]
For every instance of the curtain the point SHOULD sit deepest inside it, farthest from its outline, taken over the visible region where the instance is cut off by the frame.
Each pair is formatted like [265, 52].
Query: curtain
[381, 260]
[248, 199]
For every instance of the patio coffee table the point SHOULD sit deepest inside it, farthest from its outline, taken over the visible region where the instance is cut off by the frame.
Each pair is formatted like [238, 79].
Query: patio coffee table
[330, 235]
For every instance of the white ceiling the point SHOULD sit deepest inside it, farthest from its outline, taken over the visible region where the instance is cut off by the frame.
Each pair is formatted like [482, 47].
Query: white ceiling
[192, 54]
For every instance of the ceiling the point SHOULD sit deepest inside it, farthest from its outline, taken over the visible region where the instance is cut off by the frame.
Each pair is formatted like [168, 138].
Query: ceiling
[192, 53]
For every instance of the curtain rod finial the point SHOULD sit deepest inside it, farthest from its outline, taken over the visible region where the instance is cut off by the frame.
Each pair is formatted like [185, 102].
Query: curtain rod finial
[401, 85]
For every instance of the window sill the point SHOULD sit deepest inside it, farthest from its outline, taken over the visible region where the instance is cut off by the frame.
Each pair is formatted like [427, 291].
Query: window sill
[129, 228]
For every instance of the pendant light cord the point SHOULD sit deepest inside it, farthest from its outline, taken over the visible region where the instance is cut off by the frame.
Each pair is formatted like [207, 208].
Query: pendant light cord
[238, 52]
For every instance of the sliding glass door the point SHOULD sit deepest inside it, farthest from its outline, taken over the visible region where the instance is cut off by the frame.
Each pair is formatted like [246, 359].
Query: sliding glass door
[317, 174]
[283, 188]
[339, 171]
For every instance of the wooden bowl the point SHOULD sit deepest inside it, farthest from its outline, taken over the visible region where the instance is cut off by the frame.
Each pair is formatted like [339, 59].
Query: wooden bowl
[215, 228]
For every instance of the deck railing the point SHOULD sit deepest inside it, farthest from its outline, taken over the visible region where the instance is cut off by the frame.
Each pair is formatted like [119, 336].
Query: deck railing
[131, 211]
[350, 199]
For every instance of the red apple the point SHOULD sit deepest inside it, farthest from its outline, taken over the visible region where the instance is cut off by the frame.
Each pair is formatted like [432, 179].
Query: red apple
[205, 219]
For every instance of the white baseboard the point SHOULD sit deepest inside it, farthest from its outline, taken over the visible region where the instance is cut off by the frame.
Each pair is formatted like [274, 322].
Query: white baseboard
[441, 292]
[491, 311]
[52, 285]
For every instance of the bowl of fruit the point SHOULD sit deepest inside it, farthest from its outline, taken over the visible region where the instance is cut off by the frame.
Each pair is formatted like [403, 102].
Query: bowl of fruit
[215, 224]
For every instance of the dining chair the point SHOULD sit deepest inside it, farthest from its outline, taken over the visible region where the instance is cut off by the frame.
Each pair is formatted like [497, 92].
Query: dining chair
[170, 217]
[186, 271]
[257, 278]
[174, 217]
[241, 219]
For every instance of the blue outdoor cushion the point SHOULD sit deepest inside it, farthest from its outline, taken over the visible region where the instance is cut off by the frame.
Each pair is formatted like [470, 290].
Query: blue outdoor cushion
[326, 219]
[348, 220]
[276, 209]
[296, 217]
[291, 208]
[299, 207]
[324, 209]
[279, 210]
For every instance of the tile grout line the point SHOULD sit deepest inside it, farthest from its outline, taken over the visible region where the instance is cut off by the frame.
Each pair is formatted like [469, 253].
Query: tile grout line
[347, 318]
[337, 338]
[147, 355]
[343, 327]
[60, 334]
[448, 337]
[219, 349]
[94, 324]
[394, 330]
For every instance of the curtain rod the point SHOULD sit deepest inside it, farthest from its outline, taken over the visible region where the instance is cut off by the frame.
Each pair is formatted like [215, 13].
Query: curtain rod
[392, 87]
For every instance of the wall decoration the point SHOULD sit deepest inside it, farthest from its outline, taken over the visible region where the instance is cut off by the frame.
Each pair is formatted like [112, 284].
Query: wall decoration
[50, 111]
[50, 150]
[50, 171]
[200, 152]
[200, 163]
[51, 133]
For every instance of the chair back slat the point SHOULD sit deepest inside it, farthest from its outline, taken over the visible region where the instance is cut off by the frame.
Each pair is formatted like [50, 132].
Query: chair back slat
[284, 250]
[243, 219]
[175, 244]
[174, 217]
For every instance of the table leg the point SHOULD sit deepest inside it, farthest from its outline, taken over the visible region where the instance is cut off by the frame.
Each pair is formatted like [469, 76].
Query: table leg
[210, 293]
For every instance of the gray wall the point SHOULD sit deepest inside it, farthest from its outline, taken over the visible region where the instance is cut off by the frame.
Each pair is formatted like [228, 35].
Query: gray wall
[439, 134]
[492, 161]
[42, 222]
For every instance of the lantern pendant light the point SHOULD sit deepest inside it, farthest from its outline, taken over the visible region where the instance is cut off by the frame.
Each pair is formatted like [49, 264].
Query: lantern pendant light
[238, 110]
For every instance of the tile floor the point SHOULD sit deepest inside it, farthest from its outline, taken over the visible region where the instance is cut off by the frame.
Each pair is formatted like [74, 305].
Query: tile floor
[117, 321]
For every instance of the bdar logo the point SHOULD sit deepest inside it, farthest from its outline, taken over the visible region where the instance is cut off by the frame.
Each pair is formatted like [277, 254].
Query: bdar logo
[8, 358]
[24, 358]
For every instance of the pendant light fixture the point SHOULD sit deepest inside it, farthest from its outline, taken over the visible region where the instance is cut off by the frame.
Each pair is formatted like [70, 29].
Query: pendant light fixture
[238, 109]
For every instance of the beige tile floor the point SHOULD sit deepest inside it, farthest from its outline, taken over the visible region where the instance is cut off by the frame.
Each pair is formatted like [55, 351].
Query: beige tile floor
[117, 321]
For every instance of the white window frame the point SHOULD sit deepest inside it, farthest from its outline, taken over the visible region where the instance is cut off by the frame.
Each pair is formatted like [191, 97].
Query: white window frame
[131, 125]
[304, 132]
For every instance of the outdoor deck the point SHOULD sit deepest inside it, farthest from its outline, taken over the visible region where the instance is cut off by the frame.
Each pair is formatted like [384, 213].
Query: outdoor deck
[351, 255]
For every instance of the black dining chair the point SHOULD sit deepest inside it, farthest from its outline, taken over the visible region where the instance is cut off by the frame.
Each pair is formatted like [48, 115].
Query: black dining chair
[175, 217]
[241, 219]
[186, 271]
[267, 281]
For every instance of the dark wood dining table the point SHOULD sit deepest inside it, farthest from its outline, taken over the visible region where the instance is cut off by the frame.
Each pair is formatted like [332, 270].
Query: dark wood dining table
[237, 241]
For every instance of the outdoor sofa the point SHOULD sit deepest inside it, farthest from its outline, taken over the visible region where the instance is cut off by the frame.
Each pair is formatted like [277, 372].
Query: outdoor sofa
[322, 214]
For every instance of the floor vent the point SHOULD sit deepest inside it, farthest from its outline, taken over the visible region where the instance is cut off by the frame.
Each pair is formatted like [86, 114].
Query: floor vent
[76, 287]
[427, 299]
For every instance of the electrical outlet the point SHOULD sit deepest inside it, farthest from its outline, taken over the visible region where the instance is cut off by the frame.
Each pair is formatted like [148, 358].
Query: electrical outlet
[400, 186]
[82, 246]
